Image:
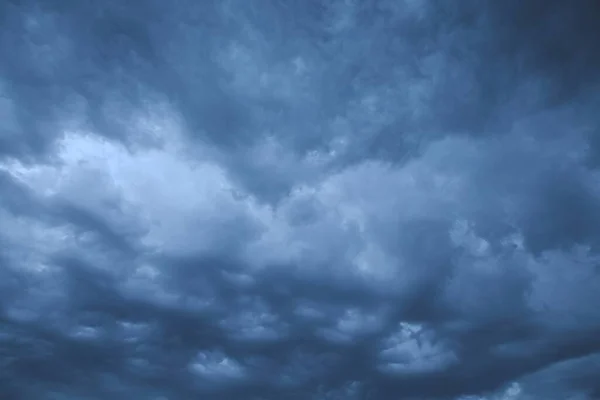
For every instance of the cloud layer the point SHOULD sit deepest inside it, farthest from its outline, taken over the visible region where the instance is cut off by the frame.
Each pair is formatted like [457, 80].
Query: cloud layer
[299, 199]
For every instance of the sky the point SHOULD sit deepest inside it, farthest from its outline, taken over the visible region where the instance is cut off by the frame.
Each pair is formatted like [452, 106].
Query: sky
[299, 199]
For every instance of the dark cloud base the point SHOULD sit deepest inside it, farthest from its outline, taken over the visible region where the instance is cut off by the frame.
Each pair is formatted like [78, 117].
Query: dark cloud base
[299, 200]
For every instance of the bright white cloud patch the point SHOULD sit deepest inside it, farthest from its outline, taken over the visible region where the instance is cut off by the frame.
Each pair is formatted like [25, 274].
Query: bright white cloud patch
[216, 367]
[177, 204]
[414, 350]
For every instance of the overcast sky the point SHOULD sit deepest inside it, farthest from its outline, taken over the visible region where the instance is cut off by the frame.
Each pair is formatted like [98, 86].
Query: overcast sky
[299, 199]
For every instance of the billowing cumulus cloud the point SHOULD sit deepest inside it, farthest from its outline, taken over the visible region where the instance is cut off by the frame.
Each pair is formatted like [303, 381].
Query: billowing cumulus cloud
[299, 200]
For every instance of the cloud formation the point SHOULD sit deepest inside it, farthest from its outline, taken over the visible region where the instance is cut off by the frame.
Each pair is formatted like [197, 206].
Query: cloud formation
[299, 199]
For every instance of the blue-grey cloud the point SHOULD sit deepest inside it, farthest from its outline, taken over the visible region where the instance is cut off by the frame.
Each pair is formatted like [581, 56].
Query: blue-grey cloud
[299, 199]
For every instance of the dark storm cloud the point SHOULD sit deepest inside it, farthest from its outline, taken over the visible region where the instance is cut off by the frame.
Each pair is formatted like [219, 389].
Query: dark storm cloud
[299, 199]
